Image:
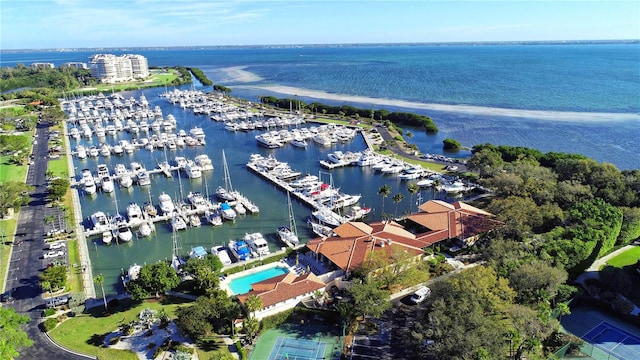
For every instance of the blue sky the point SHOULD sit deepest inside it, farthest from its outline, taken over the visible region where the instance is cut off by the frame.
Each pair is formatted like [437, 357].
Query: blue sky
[40, 24]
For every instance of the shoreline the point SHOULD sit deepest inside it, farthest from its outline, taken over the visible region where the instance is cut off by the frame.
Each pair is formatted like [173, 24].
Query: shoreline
[545, 115]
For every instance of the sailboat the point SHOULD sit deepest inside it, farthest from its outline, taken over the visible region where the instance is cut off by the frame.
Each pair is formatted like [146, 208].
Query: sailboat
[176, 262]
[289, 234]
[225, 193]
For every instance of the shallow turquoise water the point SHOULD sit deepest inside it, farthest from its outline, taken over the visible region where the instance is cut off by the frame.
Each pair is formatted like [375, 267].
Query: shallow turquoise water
[243, 284]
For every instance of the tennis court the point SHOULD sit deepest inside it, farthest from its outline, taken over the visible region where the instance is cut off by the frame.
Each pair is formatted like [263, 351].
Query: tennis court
[614, 341]
[296, 349]
[296, 341]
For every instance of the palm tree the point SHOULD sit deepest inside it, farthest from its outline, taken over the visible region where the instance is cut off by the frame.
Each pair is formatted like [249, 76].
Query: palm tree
[436, 184]
[253, 303]
[412, 188]
[384, 191]
[46, 285]
[100, 280]
[396, 200]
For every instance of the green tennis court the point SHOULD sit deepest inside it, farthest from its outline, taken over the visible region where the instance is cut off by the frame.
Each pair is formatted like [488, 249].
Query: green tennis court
[299, 342]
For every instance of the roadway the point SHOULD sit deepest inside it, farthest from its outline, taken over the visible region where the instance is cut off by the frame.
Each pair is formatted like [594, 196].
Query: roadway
[26, 261]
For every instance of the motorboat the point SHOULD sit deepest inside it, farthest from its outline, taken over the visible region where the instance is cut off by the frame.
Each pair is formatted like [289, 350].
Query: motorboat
[134, 214]
[224, 195]
[299, 142]
[166, 204]
[227, 212]
[193, 170]
[222, 254]
[145, 229]
[194, 220]
[124, 233]
[328, 217]
[198, 201]
[178, 223]
[107, 237]
[213, 217]
[257, 243]
[198, 252]
[143, 178]
[99, 220]
[132, 274]
[181, 162]
[197, 133]
[81, 152]
[103, 171]
[320, 229]
[107, 184]
[204, 162]
[240, 209]
[288, 236]
[240, 250]
[90, 187]
[126, 181]
[268, 141]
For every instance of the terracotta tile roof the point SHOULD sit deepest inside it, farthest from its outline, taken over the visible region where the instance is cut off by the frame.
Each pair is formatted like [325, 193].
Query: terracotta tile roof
[432, 221]
[353, 228]
[435, 206]
[283, 287]
[470, 209]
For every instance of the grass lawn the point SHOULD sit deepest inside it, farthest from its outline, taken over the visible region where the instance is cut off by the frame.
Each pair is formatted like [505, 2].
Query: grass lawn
[85, 332]
[11, 172]
[628, 257]
[75, 273]
[154, 80]
[7, 229]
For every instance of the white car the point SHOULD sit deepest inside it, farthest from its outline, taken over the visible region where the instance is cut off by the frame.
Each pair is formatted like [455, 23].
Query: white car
[420, 295]
[56, 245]
[53, 254]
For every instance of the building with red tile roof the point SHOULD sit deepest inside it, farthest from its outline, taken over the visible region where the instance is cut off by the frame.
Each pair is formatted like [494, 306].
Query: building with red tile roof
[283, 292]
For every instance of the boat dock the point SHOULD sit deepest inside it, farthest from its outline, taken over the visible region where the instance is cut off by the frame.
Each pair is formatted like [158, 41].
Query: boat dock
[252, 165]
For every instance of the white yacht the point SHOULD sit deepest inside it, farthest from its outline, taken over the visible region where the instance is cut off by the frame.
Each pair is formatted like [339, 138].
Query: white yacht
[134, 214]
[224, 195]
[126, 180]
[213, 217]
[198, 201]
[204, 162]
[90, 186]
[257, 243]
[166, 204]
[227, 212]
[99, 220]
[194, 220]
[107, 237]
[222, 254]
[107, 184]
[181, 162]
[143, 178]
[145, 229]
[122, 231]
[197, 133]
[299, 142]
[192, 170]
[178, 223]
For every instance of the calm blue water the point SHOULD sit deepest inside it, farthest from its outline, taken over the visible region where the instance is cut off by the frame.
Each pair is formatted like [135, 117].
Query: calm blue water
[242, 285]
[576, 98]
[569, 98]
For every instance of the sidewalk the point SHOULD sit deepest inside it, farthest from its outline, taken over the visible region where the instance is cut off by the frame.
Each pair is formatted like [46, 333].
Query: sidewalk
[593, 272]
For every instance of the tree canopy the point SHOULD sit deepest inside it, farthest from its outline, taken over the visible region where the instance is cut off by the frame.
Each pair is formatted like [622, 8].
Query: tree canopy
[12, 337]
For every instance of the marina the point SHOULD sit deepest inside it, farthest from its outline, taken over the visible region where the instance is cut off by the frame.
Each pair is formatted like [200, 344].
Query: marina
[155, 171]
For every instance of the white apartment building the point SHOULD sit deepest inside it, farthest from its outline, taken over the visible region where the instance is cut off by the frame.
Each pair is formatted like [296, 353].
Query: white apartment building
[42, 65]
[74, 65]
[110, 68]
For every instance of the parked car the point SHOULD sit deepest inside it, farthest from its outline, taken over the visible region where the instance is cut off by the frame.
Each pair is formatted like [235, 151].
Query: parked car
[420, 295]
[53, 254]
[57, 245]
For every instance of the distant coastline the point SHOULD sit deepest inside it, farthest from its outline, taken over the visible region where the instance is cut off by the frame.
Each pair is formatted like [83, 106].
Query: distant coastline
[289, 46]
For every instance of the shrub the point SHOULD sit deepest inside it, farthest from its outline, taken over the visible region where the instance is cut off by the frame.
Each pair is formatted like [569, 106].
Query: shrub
[50, 324]
[273, 321]
[62, 317]
[184, 349]
[49, 312]
[241, 351]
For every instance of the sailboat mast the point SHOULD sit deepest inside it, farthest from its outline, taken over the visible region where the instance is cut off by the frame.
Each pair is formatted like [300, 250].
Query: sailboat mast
[227, 178]
[292, 220]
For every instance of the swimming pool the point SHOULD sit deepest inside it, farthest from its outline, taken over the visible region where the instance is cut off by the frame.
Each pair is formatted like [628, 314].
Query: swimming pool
[242, 285]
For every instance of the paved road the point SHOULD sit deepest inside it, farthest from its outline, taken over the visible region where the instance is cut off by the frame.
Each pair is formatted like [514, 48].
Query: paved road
[26, 259]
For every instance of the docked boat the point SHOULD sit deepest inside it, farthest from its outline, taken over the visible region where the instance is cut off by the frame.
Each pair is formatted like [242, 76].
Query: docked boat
[257, 243]
[320, 229]
[240, 209]
[299, 142]
[213, 217]
[240, 250]
[107, 237]
[193, 170]
[227, 212]
[134, 214]
[194, 220]
[327, 217]
[107, 184]
[145, 229]
[197, 133]
[288, 234]
[198, 252]
[121, 229]
[198, 201]
[99, 220]
[222, 254]
[204, 162]
[132, 274]
[90, 187]
[223, 195]
[126, 181]
[166, 204]
[143, 178]
[178, 223]
[268, 141]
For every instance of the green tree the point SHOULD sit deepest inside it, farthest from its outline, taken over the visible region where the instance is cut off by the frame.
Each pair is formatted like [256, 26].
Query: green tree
[369, 299]
[157, 278]
[384, 191]
[536, 282]
[397, 198]
[100, 281]
[251, 326]
[58, 188]
[56, 276]
[253, 304]
[12, 337]
[13, 195]
[413, 189]
[450, 144]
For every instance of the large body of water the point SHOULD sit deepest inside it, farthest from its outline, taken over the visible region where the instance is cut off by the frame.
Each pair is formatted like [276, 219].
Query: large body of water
[568, 98]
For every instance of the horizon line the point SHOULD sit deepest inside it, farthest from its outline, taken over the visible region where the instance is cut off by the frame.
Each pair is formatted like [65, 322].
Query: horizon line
[443, 43]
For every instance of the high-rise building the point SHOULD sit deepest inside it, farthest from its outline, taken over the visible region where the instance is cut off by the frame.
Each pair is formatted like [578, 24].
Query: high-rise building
[74, 65]
[110, 68]
[42, 65]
